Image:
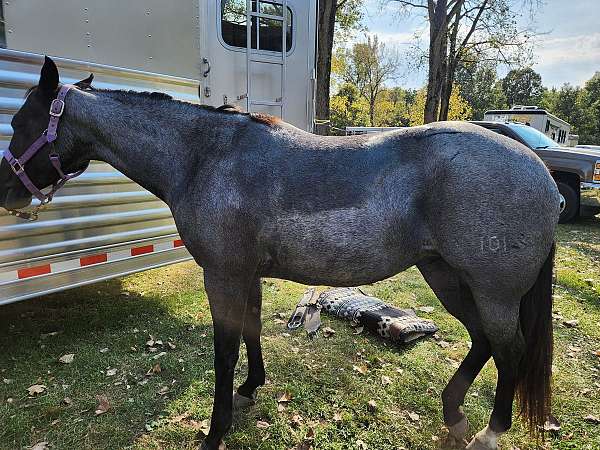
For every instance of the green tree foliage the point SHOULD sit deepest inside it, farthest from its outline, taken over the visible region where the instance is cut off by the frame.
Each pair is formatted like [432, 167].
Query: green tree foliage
[523, 87]
[367, 65]
[458, 107]
[480, 87]
[348, 108]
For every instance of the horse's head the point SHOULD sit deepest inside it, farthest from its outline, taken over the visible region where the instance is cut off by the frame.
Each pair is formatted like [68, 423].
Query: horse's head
[28, 124]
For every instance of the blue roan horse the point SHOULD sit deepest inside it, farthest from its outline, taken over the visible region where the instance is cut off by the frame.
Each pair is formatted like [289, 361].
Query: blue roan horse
[255, 197]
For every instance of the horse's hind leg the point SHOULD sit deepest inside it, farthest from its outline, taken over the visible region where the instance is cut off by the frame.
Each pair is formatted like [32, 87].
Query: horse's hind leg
[500, 320]
[246, 393]
[227, 295]
[458, 300]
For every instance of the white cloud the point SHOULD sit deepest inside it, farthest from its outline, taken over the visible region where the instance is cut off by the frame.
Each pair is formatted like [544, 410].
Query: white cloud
[572, 59]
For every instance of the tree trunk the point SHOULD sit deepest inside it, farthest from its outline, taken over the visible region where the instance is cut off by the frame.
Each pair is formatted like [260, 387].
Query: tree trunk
[450, 69]
[438, 30]
[326, 28]
[447, 90]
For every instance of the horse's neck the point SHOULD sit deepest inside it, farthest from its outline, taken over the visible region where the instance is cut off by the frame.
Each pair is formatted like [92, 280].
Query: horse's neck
[144, 139]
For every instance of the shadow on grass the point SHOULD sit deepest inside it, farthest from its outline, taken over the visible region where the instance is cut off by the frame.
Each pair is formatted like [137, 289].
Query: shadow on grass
[106, 326]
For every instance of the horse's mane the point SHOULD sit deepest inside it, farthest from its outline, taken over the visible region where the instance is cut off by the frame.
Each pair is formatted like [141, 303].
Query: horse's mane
[263, 118]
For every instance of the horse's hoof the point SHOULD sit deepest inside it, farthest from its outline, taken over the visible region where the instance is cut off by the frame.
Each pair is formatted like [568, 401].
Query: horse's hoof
[486, 439]
[240, 401]
[459, 431]
[205, 446]
[479, 444]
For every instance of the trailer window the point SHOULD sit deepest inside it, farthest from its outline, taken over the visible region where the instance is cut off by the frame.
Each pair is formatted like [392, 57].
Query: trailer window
[270, 37]
[2, 28]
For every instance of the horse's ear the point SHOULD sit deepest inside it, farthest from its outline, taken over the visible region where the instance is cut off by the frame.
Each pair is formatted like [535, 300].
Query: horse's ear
[49, 76]
[86, 83]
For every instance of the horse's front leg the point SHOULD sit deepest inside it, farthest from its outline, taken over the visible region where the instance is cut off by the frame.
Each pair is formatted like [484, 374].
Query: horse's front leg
[228, 295]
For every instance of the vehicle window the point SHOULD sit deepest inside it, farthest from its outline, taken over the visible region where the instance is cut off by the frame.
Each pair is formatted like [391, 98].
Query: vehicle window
[533, 137]
[269, 36]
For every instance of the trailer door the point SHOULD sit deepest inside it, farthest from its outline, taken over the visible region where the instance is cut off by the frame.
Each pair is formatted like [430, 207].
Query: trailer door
[243, 62]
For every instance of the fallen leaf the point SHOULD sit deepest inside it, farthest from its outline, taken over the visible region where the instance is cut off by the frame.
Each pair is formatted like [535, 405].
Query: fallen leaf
[163, 390]
[280, 321]
[47, 335]
[552, 424]
[104, 350]
[159, 355]
[385, 380]
[36, 389]
[304, 445]
[297, 420]
[571, 323]
[179, 417]
[285, 398]
[372, 405]
[426, 309]
[154, 370]
[66, 359]
[171, 345]
[358, 330]
[328, 332]
[40, 446]
[280, 407]
[360, 369]
[7, 380]
[67, 401]
[111, 372]
[361, 445]
[262, 424]
[443, 344]
[205, 426]
[103, 405]
[413, 416]
[592, 419]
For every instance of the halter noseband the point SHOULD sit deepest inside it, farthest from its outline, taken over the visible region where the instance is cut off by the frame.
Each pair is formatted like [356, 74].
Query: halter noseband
[48, 137]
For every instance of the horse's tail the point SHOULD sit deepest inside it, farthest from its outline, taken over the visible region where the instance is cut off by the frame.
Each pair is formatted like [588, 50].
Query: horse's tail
[535, 370]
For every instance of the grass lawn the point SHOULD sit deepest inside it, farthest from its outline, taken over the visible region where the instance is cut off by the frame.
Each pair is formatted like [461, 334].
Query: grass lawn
[106, 327]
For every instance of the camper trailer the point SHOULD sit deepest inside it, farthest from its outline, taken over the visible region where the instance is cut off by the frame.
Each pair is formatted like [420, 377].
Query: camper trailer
[555, 128]
[256, 54]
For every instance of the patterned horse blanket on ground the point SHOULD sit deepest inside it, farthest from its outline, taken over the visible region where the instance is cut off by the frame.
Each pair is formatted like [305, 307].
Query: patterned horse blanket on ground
[398, 325]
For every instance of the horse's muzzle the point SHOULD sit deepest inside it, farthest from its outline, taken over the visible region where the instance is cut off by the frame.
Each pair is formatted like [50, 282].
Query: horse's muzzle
[15, 199]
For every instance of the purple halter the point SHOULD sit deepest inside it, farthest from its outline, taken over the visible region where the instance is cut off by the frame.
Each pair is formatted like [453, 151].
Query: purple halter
[48, 137]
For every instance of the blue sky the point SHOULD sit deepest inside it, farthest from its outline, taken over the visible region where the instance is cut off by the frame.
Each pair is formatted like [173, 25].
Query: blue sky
[568, 53]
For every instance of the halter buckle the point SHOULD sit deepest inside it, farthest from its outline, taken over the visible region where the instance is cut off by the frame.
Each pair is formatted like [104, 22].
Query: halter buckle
[57, 107]
[17, 167]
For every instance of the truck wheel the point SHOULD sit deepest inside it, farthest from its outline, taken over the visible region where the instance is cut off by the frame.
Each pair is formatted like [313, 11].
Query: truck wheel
[571, 202]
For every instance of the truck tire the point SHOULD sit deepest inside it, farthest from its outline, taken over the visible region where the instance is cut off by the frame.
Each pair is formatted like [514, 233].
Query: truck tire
[571, 197]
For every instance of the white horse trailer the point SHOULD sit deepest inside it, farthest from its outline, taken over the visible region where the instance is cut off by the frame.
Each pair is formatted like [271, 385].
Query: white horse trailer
[540, 119]
[102, 225]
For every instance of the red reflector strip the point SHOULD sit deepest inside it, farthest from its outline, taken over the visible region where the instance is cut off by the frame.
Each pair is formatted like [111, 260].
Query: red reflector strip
[94, 259]
[33, 271]
[142, 250]
[178, 243]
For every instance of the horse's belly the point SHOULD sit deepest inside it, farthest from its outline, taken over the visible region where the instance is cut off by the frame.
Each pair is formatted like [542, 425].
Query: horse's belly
[342, 247]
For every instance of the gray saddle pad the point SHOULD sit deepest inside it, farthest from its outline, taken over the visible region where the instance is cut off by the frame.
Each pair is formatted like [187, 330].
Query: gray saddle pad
[398, 325]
